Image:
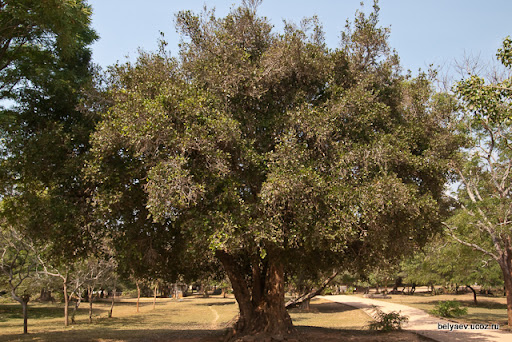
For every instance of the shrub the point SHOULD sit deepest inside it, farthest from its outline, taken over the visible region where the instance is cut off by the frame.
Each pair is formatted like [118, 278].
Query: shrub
[388, 321]
[449, 308]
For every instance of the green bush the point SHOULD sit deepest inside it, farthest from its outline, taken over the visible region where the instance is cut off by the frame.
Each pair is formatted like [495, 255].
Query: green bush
[388, 321]
[449, 308]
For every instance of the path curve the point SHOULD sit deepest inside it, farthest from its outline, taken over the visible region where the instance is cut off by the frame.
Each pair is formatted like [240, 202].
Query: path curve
[216, 314]
[422, 323]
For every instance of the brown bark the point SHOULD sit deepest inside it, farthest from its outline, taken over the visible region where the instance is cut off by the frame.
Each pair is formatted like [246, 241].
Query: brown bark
[474, 293]
[24, 306]
[23, 300]
[310, 295]
[66, 302]
[154, 296]
[75, 308]
[138, 294]
[260, 299]
[112, 304]
[505, 263]
[91, 298]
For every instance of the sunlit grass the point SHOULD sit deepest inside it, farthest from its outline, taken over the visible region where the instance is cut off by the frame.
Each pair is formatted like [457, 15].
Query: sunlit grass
[171, 320]
[492, 310]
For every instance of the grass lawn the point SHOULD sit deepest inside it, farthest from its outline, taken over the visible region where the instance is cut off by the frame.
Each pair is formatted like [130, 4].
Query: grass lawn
[492, 310]
[193, 319]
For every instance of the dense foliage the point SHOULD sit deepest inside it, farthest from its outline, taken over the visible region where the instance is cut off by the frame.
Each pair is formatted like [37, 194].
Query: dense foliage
[45, 63]
[270, 151]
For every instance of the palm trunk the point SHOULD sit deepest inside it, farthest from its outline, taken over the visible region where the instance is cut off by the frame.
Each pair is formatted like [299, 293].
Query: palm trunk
[261, 301]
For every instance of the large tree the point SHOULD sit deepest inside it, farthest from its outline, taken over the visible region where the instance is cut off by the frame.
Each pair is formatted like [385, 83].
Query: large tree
[268, 149]
[46, 62]
[483, 221]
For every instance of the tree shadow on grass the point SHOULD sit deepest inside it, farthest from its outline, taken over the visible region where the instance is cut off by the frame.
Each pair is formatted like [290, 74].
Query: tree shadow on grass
[12, 311]
[104, 334]
[307, 333]
[328, 307]
[219, 303]
[304, 333]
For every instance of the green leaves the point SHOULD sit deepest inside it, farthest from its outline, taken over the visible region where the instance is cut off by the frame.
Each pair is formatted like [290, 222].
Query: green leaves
[266, 144]
[489, 100]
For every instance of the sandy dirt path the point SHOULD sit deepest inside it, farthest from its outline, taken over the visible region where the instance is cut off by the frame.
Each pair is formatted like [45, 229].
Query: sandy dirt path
[424, 324]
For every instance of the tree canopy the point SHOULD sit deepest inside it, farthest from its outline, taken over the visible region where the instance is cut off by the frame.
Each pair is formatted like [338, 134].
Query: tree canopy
[45, 64]
[266, 149]
[483, 220]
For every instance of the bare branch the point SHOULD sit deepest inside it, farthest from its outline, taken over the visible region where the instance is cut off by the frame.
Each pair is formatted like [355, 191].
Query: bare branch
[472, 245]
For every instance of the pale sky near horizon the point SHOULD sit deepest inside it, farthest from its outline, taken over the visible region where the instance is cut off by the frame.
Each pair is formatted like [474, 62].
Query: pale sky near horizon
[424, 32]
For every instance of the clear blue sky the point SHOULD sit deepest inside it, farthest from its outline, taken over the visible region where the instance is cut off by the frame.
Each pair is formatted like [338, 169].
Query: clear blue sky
[423, 32]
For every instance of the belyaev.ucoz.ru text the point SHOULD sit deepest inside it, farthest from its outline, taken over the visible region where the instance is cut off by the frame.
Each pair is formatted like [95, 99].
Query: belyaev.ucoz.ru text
[473, 326]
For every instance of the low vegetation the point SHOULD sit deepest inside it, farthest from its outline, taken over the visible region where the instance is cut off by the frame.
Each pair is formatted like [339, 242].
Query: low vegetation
[388, 321]
[492, 310]
[450, 308]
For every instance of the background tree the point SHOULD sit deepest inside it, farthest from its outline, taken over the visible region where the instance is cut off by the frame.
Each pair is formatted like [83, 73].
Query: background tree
[268, 148]
[483, 221]
[46, 63]
[18, 263]
[446, 262]
[32, 32]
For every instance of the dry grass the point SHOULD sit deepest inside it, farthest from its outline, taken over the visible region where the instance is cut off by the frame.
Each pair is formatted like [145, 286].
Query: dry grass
[492, 310]
[326, 314]
[193, 319]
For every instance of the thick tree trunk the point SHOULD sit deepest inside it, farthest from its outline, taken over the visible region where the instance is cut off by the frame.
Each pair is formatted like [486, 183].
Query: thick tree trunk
[260, 300]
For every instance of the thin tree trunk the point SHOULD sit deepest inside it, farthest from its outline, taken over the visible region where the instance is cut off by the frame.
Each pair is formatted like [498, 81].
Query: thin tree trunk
[138, 294]
[310, 295]
[66, 302]
[474, 293]
[91, 298]
[77, 304]
[154, 296]
[24, 305]
[112, 304]
[23, 300]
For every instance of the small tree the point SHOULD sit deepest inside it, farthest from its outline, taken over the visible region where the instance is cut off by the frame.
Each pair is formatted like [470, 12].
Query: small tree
[483, 221]
[18, 263]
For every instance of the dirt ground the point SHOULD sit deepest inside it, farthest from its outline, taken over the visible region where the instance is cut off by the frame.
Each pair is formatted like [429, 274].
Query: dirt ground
[311, 334]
